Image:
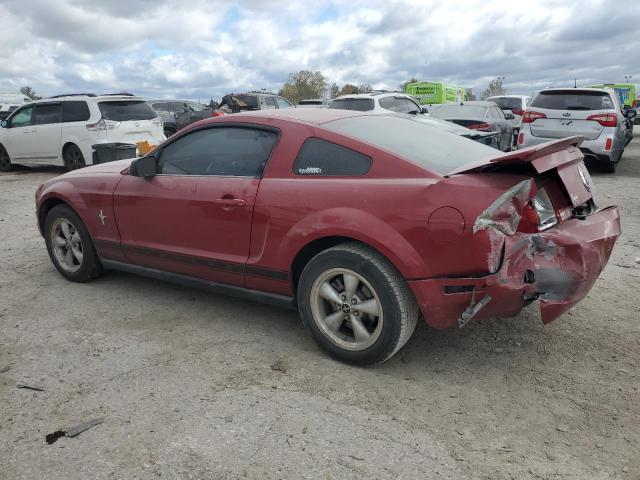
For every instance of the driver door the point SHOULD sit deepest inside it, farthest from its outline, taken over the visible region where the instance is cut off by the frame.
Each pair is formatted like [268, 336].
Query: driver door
[19, 136]
[194, 217]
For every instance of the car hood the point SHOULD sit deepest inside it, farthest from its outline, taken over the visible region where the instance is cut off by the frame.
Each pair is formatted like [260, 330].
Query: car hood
[109, 167]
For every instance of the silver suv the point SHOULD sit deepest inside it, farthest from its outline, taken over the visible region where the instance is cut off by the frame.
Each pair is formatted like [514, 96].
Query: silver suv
[378, 102]
[594, 113]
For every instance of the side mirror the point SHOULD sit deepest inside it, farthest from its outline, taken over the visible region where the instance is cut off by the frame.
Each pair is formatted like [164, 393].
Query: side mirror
[509, 116]
[4, 124]
[144, 167]
[630, 113]
[424, 109]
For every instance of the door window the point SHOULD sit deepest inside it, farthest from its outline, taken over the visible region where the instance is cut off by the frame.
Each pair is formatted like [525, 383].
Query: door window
[46, 114]
[22, 118]
[282, 103]
[75, 111]
[271, 102]
[222, 151]
[393, 104]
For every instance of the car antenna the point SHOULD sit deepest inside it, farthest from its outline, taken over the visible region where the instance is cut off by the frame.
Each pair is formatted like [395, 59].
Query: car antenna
[575, 84]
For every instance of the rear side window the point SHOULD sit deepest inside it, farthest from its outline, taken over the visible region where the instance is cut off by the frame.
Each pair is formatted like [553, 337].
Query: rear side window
[572, 100]
[282, 103]
[319, 157]
[221, 151]
[46, 114]
[358, 104]
[251, 102]
[125, 110]
[75, 111]
[160, 107]
[271, 102]
[507, 103]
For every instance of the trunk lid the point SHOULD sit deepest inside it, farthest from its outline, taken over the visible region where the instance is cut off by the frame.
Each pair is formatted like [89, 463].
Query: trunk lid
[562, 155]
[566, 123]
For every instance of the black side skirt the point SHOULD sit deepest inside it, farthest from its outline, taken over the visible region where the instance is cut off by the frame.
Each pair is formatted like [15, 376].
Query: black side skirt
[231, 290]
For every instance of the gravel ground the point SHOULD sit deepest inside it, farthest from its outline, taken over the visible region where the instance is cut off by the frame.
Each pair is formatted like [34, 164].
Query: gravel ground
[193, 385]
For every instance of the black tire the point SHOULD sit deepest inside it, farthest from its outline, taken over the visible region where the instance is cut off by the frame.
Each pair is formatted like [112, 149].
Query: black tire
[73, 158]
[388, 333]
[89, 267]
[5, 160]
[610, 166]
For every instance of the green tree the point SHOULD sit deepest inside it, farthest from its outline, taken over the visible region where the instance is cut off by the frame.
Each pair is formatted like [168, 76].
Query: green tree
[304, 84]
[403, 85]
[494, 88]
[29, 92]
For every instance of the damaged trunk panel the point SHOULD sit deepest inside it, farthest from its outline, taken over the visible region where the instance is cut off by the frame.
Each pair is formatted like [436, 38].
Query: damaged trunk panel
[555, 263]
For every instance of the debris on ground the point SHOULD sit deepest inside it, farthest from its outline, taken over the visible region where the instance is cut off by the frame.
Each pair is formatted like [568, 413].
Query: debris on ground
[30, 387]
[279, 367]
[73, 431]
[5, 369]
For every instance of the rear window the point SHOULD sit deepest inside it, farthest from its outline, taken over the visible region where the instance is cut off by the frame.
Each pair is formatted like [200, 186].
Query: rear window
[572, 100]
[429, 147]
[319, 157]
[358, 104]
[506, 103]
[250, 100]
[458, 111]
[310, 102]
[75, 111]
[124, 110]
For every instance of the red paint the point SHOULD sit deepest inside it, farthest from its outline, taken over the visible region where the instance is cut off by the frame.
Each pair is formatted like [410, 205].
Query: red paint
[421, 221]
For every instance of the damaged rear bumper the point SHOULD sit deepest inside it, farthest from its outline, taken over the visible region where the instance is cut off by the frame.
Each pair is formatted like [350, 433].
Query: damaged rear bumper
[556, 268]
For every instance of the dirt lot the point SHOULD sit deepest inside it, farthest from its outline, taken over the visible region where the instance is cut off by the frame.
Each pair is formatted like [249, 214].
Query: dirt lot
[193, 385]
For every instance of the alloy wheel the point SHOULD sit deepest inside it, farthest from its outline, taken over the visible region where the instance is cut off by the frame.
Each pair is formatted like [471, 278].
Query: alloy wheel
[66, 245]
[346, 309]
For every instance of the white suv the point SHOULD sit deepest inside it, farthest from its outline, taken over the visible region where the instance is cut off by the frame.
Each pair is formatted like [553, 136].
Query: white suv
[378, 102]
[62, 130]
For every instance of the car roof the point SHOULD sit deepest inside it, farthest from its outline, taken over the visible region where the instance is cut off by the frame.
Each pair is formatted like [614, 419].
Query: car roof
[98, 98]
[508, 96]
[371, 94]
[172, 100]
[476, 103]
[574, 89]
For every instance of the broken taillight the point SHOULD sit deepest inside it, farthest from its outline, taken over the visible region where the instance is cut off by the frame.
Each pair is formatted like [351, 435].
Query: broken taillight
[539, 214]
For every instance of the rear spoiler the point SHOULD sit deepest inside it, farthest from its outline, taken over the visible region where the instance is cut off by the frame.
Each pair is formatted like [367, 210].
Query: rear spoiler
[529, 155]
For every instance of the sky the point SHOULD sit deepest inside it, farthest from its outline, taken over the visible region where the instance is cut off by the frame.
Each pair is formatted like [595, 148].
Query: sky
[204, 49]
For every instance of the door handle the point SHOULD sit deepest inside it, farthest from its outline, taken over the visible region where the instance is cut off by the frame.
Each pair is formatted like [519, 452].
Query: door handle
[231, 202]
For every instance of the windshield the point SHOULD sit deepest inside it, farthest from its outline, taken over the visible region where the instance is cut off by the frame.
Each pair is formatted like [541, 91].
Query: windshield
[458, 111]
[122, 111]
[507, 103]
[429, 147]
[358, 104]
[572, 100]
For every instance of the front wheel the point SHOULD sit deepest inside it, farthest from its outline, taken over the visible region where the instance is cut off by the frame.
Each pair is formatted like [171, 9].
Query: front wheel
[356, 304]
[70, 246]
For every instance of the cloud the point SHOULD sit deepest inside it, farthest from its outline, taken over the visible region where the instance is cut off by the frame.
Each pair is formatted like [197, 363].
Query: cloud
[206, 48]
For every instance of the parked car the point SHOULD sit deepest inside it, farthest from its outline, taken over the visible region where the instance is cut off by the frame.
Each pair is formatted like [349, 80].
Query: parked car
[314, 103]
[62, 130]
[238, 102]
[386, 102]
[176, 114]
[10, 101]
[594, 113]
[481, 116]
[378, 102]
[515, 104]
[361, 222]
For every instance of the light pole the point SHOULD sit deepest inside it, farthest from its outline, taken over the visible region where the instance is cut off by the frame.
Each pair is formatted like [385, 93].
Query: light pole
[627, 78]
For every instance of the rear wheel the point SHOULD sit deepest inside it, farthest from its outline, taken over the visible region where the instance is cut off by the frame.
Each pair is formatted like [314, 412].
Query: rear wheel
[70, 246]
[356, 304]
[610, 166]
[73, 158]
[5, 161]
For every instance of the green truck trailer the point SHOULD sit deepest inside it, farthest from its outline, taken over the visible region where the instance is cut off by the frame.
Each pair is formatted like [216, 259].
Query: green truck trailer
[432, 93]
[627, 92]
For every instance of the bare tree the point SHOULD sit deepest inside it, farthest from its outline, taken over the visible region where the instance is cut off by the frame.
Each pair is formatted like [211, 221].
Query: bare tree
[365, 88]
[334, 90]
[348, 89]
[29, 92]
[470, 95]
[494, 88]
[304, 84]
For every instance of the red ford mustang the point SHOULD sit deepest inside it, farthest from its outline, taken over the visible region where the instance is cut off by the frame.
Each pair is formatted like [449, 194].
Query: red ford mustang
[362, 222]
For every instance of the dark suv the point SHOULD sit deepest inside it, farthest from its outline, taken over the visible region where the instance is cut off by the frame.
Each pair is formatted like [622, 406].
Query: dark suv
[237, 102]
[176, 114]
